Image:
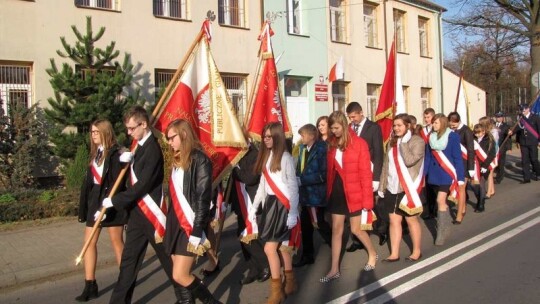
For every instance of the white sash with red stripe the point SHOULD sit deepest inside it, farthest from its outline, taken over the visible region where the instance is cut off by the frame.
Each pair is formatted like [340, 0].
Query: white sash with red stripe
[151, 210]
[292, 244]
[411, 202]
[447, 166]
[219, 215]
[425, 135]
[97, 172]
[273, 179]
[252, 230]
[464, 154]
[481, 157]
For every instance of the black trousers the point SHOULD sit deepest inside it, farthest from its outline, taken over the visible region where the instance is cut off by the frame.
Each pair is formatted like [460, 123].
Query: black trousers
[500, 171]
[254, 256]
[307, 229]
[139, 233]
[529, 156]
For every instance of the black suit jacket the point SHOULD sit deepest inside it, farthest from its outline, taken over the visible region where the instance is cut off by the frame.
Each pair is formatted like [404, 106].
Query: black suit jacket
[372, 134]
[148, 168]
[523, 136]
[466, 138]
[503, 132]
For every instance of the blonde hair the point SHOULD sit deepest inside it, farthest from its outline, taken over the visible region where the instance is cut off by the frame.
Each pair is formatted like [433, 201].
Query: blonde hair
[189, 142]
[108, 139]
[339, 117]
[443, 120]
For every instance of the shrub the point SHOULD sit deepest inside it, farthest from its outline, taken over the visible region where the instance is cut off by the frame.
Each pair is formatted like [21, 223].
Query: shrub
[7, 198]
[76, 171]
[32, 205]
[47, 196]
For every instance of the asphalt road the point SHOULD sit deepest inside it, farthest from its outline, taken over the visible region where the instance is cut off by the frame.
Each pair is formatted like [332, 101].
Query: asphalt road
[491, 258]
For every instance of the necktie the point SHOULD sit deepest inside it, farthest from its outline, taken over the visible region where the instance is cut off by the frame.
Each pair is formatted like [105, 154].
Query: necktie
[356, 127]
[98, 155]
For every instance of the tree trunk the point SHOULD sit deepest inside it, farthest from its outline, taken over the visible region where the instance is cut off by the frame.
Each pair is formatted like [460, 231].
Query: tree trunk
[535, 59]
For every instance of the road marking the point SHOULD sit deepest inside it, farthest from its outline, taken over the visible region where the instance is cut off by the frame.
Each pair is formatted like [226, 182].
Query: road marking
[436, 258]
[403, 288]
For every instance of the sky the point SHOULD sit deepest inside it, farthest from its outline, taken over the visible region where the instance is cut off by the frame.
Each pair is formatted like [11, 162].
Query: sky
[452, 10]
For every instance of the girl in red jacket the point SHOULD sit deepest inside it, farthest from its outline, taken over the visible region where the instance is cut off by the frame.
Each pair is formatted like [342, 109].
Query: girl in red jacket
[349, 189]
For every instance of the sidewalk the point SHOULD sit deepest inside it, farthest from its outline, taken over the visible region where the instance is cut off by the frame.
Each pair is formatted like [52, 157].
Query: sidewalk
[39, 252]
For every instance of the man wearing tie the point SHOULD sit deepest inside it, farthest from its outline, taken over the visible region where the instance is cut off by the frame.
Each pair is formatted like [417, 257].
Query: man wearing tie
[503, 133]
[371, 133]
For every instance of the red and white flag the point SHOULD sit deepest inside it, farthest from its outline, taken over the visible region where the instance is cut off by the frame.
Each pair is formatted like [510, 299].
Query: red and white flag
[337, 72]
[199, 96]
[461, 103]
[266, 103]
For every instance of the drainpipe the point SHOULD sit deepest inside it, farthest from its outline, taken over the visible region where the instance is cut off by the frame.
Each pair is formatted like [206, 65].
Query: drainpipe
[441, 62]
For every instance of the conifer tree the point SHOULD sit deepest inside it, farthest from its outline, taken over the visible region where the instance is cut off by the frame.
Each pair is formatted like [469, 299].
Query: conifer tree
[93, 85]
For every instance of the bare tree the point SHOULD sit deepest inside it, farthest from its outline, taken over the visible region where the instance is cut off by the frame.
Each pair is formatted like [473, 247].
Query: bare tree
[521, 17]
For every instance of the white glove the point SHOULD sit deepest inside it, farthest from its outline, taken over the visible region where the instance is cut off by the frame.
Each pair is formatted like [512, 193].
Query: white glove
[461, 183]
[472, 173]
[298, 181]
[195, 241]
[96, 215]
[375, 185]
[483, 170]
[381, 194]
[252, 217]
[291, 220]
[126, 157]
[107, 203]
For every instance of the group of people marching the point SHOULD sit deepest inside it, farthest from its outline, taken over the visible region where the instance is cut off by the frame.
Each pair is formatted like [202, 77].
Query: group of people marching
[339, 170]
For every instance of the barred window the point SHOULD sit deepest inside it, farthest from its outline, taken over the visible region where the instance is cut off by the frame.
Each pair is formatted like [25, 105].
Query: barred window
[232, 12]
[340, 95]
[372, 100]
[338, 20]
[162, 77]
[113, 5]
[423, 33]
[171, 8]
[237, 88]
[370, 25]
[400, 28]
[425, 98]
[86, 72]
[15, 85]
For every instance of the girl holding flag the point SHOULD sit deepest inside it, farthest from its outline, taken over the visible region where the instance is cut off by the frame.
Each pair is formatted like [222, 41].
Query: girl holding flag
[190, 187]
[484, 148]
[279, 223]
[402, 180]
[443, 167]
[104, 168]
[349, 190]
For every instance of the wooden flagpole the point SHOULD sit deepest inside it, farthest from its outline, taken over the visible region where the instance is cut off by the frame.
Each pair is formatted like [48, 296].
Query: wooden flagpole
[226, 198]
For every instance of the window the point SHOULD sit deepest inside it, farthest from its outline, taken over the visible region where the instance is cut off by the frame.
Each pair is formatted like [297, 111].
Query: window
[370, 25]
[85, 73]
[295, 86]
[231, 12]
[171, 8]
[406, 98]
[338, 21]
[294, 16]
[162, 77]
[340, 95]
[399, 23]
[372, 100]
[423, 33]
[104, 4]
[237, 88]
[425, 98]
[15, 85]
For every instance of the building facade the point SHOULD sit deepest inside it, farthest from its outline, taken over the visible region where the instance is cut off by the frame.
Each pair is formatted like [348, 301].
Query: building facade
[310, 37]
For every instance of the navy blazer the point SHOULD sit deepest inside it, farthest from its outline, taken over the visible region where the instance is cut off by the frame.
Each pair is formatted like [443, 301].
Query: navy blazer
[435, 173]
[312, 191]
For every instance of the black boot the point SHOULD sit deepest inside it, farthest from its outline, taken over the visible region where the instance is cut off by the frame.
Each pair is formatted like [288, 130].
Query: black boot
[183, 295]
[90, 291]
[480, 206]
[199, 291]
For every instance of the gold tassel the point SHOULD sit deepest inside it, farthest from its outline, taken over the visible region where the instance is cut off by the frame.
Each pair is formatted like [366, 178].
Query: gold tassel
[411, 211]
[201, 248]
[248, 238]
[267, 56]
[289, 249]
[366, 227]
[214, 223]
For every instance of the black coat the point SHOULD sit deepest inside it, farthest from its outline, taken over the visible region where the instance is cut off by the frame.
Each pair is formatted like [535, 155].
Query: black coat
[488, 145]
[372, 134]
[92, 195]
[197, 188]
[523, 136]
[466, 138]
[503, 133]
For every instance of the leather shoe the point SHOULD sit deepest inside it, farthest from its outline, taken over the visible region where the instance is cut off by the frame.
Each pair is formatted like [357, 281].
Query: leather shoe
[525, 182]
[208, 273]
[383, 237]
[248, 279]
[355, 246]
[387, 260]
[409, 259]
[304, 261]
[264, 275]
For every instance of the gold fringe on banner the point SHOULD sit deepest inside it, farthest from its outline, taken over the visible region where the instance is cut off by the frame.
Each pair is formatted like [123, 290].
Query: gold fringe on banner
[411, 211]
[248, 238]
[201, 248]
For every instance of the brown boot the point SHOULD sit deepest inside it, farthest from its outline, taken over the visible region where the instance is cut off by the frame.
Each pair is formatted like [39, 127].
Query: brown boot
[290, 283]
[276, 292]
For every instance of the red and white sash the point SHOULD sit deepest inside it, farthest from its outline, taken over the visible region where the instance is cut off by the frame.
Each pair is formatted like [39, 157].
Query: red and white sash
[151, 210]
[292, 244]
[252, 230]
[425, 135]
[481, 157]
[97, 172]
[219, 215]
[182, 208]
[464, 154]
[367, 217]
[411, 202]
[278, 187]
[447, 166]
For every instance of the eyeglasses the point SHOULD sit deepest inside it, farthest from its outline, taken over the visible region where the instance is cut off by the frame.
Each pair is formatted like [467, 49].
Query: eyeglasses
[172, 137]
[94, 132]
[267, 137]
[131, 129]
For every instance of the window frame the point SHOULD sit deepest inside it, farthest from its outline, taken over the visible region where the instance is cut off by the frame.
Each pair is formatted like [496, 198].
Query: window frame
[340, 100]
[19, 81]
[372, 100]
[225, 17]
[239, 108]
[294, 15]
[423, 36]
[94, 4]
[400, 21]
[372, 35]
[425, 100]
[165, 8]
[338, 32]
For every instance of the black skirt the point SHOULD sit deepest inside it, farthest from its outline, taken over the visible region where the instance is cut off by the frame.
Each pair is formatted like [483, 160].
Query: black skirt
[179, 245]
[113, 217]
[337, 202]
[273, 221]
[390, 203]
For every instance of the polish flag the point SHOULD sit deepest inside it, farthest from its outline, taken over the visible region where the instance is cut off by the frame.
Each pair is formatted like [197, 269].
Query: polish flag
[461, 103]
[337, 72]
[199, 96]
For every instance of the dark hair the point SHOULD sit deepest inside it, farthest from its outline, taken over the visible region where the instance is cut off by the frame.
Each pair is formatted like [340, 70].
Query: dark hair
[138, 114]
[353, 107]
[278, 148]
[480, 127]
[454, 117]
[408, 123]
[429, 111]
